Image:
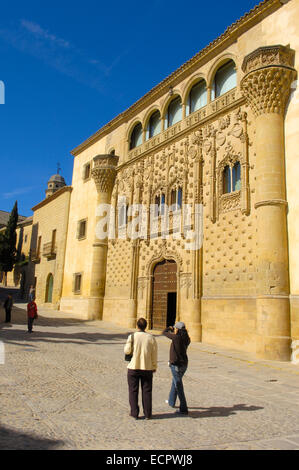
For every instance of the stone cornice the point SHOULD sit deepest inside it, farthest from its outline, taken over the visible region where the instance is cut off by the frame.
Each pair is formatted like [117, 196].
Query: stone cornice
[239, 27]
[26, 222]
[271, 202]
[49, 199]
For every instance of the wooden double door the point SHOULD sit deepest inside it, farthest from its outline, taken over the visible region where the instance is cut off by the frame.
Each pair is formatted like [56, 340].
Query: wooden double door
[164, 295]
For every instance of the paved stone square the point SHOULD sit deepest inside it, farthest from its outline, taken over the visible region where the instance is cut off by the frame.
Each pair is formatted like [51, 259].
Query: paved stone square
[64, 387]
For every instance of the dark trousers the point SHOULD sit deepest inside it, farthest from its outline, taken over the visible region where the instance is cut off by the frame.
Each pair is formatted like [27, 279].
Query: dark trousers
[145, 377]
[8, 315]
[30, 323]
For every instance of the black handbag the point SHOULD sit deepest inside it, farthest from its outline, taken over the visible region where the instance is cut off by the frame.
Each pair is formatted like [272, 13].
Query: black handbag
[128, 357]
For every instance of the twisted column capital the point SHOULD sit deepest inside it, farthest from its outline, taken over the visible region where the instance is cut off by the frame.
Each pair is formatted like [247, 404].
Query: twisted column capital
[269, 74]
[104, 172]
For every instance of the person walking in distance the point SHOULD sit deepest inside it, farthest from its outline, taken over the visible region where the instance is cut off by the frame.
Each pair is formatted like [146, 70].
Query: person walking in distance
[8, 307]
[141, 367]
[31, 314]
[178, 362]
[31, 295]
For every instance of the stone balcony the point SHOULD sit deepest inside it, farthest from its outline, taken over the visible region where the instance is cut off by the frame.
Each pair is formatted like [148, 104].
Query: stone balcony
[49, 250]
[35, 256]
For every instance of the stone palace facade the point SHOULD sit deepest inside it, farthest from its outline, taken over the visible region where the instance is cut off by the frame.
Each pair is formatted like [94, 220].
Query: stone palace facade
[220, 134]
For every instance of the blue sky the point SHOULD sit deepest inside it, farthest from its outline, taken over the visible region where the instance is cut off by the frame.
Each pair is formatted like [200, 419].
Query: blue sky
[69, 67]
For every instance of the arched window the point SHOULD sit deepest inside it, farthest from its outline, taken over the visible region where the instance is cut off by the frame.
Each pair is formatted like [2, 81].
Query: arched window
[176, 198]
[173, 197]
[179, 197]
[197, 97]
[225, 79]
[123, 208]
[159, 204]
[226, 180]
[136, 136]
[162, 204]
[112, 152]
[237, 177]
[174, 112]
[232, 178]
[154, 125]
[124, 215]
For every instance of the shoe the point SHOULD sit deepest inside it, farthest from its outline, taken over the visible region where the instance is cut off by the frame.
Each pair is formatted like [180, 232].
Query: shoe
[135, 417]
[179, 412]
[166, 401]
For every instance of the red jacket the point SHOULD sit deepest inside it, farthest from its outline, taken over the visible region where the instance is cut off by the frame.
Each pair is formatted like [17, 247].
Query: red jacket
[31, 309]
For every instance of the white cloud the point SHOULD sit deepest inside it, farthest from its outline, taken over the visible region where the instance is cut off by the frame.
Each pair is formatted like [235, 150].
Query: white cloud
[17, 192]
[60, 54]
[37, 30]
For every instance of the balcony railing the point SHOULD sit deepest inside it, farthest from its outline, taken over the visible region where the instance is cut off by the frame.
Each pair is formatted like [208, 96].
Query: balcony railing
[35, 256]
[49, 250]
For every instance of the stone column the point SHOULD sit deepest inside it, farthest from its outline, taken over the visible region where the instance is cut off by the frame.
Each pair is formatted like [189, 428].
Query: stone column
[209, 94]
[132, 318]
[195, 325]
[266, 85]
[213, 180]
[104, 174]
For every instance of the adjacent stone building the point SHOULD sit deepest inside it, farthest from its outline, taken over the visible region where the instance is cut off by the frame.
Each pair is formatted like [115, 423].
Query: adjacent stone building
[49, 231]
[41, 243]
[221, 134]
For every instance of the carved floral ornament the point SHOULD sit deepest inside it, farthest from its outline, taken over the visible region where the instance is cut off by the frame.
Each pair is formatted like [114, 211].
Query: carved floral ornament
[269, 75]
[162, 254]
[192, 145]
[159, 190]
[268, 56]
[186, 280]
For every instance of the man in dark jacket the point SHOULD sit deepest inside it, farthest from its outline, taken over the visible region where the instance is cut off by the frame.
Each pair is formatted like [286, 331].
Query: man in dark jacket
[8, 306]
[178, 362]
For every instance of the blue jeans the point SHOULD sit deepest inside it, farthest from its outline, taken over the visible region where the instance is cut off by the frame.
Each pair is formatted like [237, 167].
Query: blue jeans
[177, 388]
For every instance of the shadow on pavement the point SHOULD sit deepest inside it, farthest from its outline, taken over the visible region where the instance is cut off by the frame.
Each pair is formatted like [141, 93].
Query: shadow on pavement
[19, 317]
[213, 412]
[17, 336]
[14, 440]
